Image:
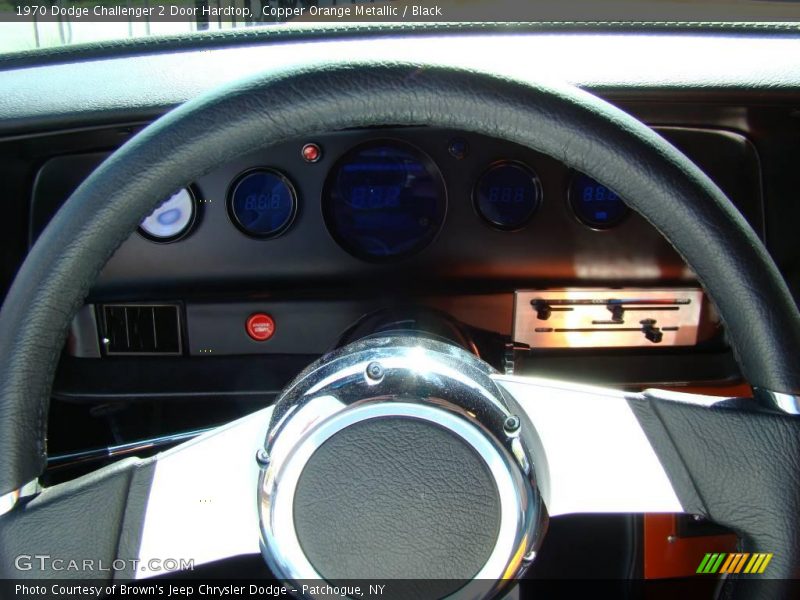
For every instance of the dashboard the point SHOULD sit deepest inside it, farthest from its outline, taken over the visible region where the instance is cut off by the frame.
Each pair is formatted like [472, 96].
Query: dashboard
[278, 254]
[311, 234]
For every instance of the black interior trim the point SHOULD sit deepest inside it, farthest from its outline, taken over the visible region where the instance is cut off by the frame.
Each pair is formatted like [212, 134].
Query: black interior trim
[65, 523]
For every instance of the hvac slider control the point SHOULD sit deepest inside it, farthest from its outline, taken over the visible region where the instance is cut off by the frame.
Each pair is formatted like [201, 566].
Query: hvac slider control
[607, 317]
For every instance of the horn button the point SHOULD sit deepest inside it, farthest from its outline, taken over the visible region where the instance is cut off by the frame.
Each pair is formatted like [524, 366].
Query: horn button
[397, 497]
[401, 471]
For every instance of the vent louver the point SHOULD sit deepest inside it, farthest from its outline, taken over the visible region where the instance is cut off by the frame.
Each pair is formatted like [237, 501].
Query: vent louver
[140, 329]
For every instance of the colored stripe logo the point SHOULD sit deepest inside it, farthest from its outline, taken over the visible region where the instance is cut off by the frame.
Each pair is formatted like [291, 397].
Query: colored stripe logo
[743, 562]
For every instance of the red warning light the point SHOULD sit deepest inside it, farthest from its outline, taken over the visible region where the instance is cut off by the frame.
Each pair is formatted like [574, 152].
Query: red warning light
[311, 153]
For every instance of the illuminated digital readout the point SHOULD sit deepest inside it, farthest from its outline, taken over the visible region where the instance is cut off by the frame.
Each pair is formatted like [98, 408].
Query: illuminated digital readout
[384, 201]
[594, 204]
[507, 195]
[263, 203]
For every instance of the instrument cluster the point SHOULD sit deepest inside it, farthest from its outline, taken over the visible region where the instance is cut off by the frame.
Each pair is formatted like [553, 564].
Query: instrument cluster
[409, 209]
[386, 199]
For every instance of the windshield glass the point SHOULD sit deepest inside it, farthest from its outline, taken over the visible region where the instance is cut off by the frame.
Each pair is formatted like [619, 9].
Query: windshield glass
[29, 25]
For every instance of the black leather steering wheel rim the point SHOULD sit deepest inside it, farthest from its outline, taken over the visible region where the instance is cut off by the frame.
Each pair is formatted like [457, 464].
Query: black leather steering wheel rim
[572, 126]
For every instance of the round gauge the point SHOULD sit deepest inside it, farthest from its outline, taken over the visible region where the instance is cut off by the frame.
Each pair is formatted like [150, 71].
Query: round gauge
[507, 195]
[384, 200]
[262, 203]
[594, 204]
[171, 220]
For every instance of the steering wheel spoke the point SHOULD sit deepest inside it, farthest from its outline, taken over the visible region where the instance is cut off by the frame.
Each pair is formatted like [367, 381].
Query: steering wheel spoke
[202, 504]
[593, 455]
[602, 450]
[189, 506]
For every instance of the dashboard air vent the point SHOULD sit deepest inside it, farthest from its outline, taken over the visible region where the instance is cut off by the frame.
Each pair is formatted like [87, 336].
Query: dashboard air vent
[140, 329]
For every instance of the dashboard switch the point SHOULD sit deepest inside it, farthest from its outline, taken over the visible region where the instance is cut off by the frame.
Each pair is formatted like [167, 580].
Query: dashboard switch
[542, 308]
[651, 332]
[260, 327]
[617, 312]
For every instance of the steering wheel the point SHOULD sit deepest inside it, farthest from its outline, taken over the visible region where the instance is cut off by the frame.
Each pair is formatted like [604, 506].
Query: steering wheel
[467, 465]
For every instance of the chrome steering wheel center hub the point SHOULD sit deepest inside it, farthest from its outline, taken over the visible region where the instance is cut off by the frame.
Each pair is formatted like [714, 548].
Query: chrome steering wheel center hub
[399, 459]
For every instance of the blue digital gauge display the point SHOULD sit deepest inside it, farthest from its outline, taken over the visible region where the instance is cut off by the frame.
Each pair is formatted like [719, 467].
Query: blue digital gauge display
[594, 204]
[172, 219]
[384, 201]
[507, 195]
[262, 203]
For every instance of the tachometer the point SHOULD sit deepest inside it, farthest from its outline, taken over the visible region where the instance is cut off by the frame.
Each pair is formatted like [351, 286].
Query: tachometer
[384, 200]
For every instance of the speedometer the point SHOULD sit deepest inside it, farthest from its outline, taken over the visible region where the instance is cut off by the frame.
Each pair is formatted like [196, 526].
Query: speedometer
[384, 200]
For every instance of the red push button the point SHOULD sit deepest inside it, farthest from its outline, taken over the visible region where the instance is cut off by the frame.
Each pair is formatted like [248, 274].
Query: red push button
[260, 327]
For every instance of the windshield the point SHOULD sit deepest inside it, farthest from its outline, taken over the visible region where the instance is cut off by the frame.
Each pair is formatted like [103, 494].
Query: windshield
[32, 25]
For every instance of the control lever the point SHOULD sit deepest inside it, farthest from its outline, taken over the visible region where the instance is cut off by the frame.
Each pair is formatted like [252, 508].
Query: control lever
[617, 312]
[542, 308]
[651, 332]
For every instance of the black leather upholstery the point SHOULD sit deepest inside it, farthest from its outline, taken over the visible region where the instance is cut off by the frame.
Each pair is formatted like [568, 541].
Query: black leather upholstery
[566, 123]
[397, 498]
[77, 521]
[738, 467]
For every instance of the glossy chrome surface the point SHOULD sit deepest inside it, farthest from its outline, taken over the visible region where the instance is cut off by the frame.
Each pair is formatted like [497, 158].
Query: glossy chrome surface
[412, 366]
[414, 377]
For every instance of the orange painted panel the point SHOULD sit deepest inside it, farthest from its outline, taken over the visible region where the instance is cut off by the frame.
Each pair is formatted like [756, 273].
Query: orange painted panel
[666, 555]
